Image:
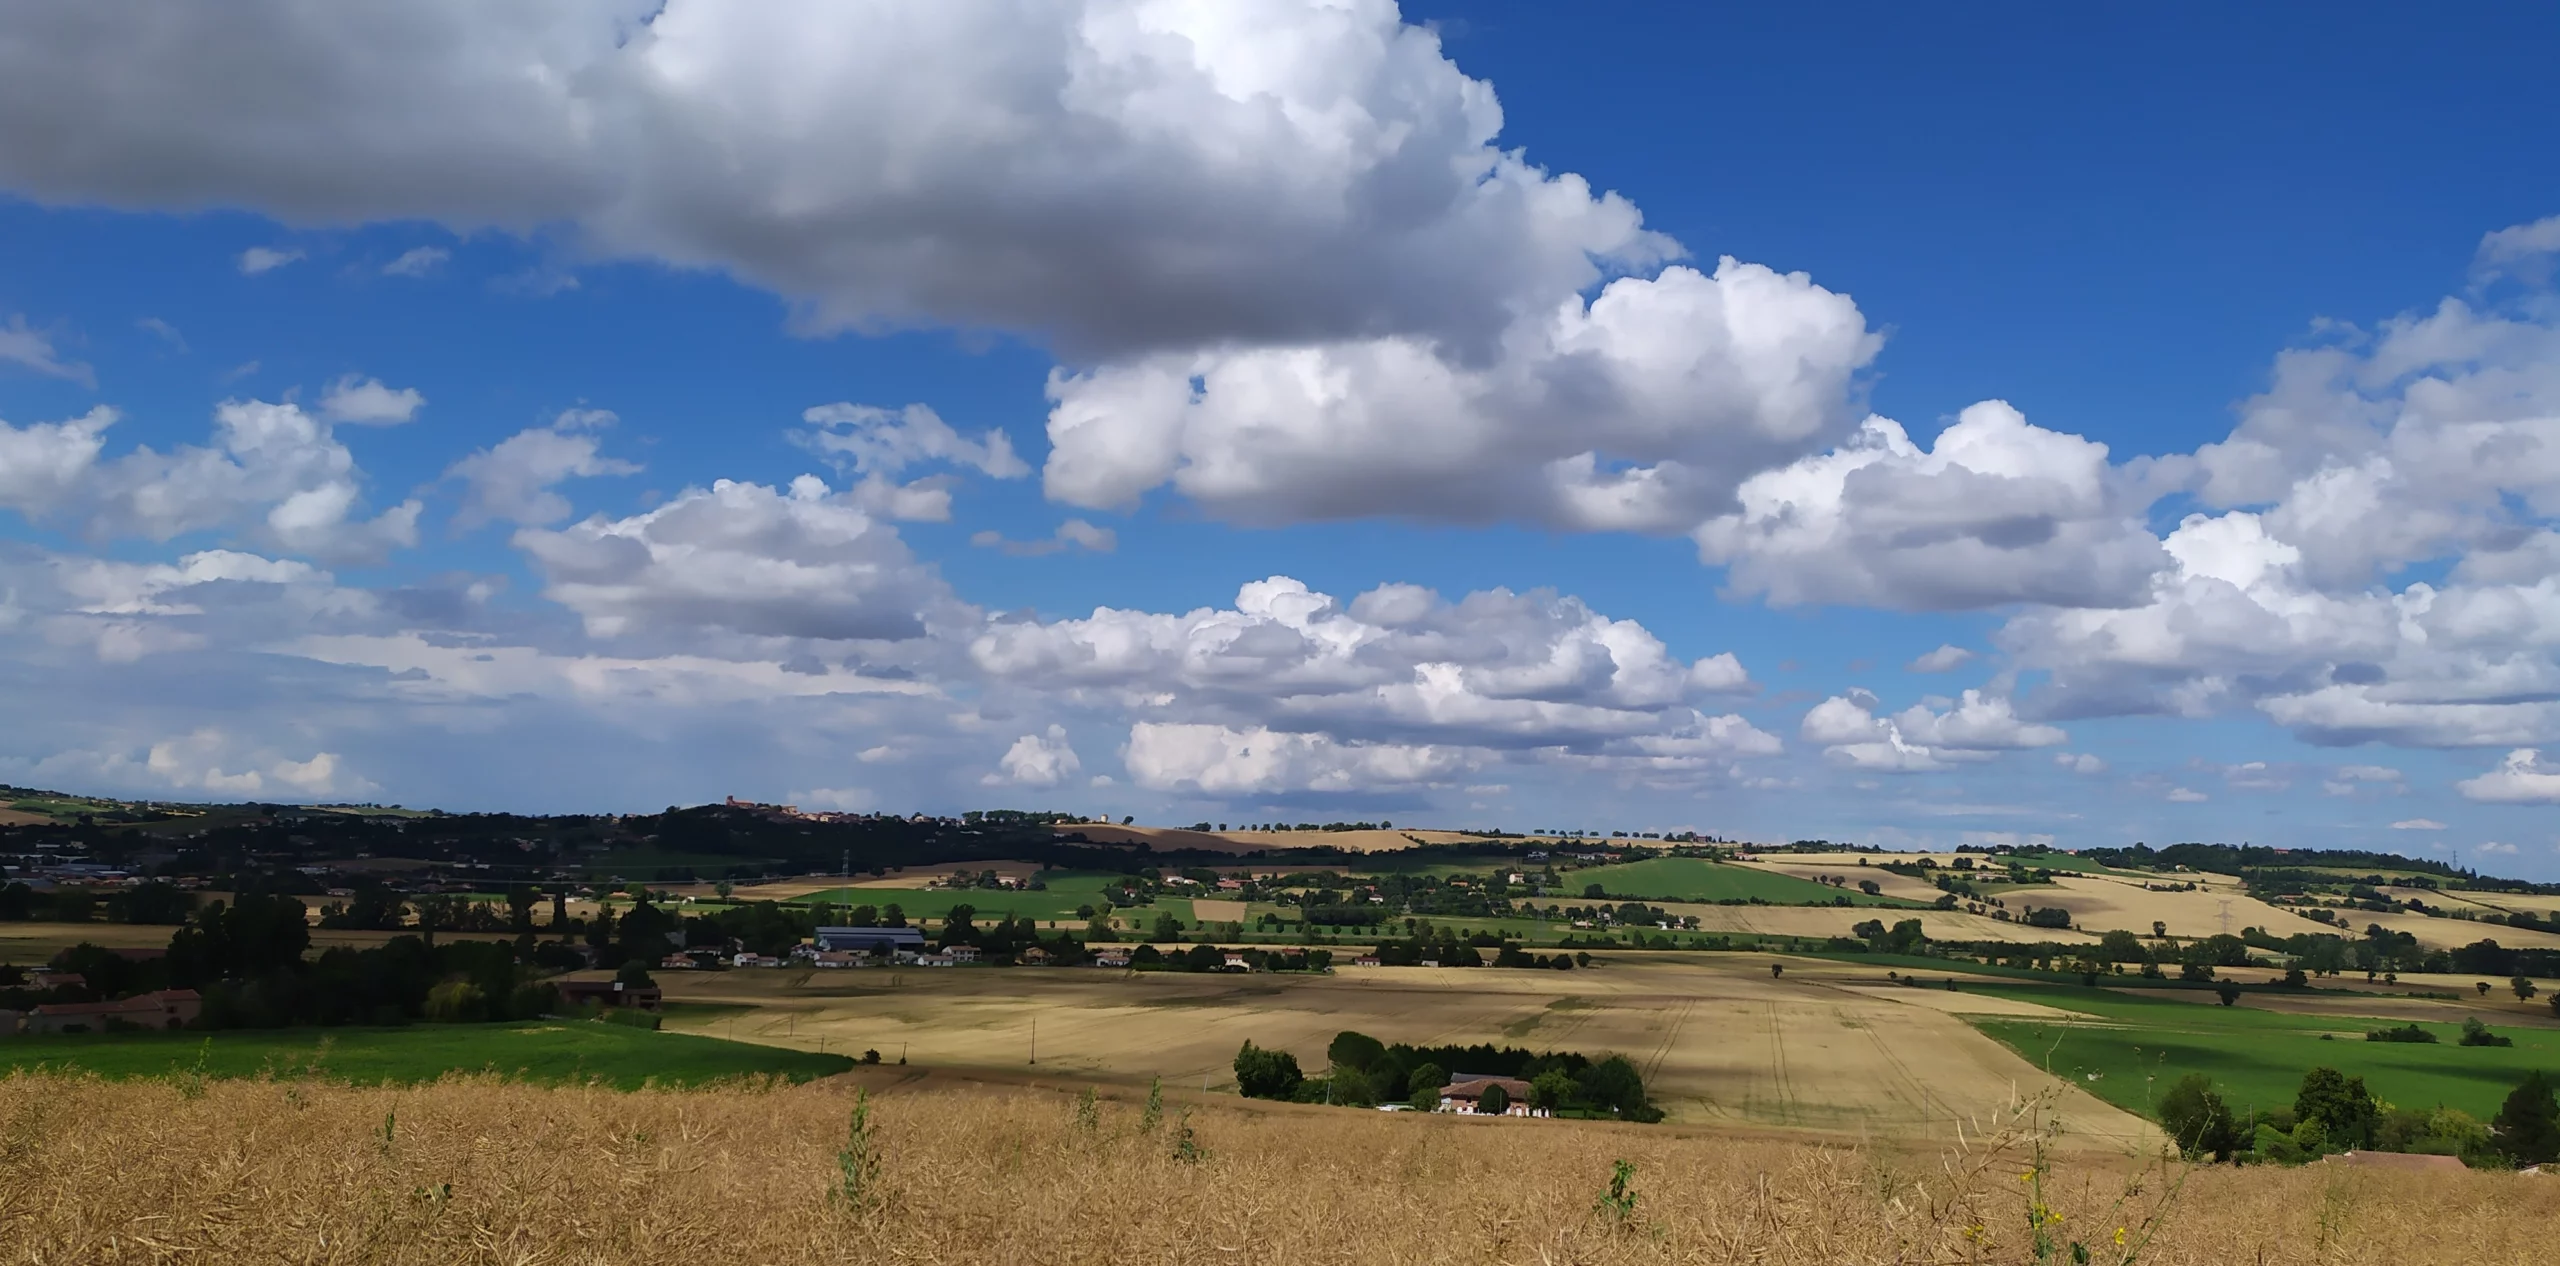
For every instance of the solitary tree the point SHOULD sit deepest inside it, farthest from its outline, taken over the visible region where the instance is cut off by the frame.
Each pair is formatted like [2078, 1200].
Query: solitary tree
[2228, 992]
[2344, 1109]
[1548, 1090]
[2524, 988]
[1496, 1101]
[2527, 1127]
[1266, 1074]
[2197, 1119]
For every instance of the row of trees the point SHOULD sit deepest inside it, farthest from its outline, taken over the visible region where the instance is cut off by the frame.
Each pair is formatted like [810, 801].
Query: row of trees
[2334, 1113]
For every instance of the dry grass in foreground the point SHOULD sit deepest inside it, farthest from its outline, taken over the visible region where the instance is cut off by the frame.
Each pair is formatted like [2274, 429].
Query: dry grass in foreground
[483, 1171]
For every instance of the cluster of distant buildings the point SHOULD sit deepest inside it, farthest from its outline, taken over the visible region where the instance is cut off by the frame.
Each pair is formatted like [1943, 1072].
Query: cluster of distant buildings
[793, 813]
[163, 1009]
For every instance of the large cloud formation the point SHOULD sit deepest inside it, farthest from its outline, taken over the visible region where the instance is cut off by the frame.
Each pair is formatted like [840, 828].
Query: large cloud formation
[1297, 275]
[1109, 175]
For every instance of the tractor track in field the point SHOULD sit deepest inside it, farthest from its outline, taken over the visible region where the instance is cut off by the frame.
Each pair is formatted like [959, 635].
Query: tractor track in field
[1778, 1074]
[1670, 1038]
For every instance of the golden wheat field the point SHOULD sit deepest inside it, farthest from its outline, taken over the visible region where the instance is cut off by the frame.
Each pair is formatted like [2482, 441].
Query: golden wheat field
[1718, 1038]
[478, 1171]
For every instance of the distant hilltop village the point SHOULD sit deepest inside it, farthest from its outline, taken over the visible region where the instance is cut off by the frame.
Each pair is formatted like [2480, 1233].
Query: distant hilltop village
[975, 817]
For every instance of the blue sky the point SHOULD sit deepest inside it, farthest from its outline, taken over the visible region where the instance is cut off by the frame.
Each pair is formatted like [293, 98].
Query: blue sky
[1117, 333]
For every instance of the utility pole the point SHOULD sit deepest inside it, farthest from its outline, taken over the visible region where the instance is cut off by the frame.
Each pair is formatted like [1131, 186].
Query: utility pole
[2226, 918]
[1035, 1039]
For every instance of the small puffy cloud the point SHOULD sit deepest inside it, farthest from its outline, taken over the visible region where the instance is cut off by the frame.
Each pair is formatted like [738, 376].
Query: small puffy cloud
[1072, 534]
[2417, 824]
[1037, 760]
[163, 331]
[212, 762]
[1944, 659]
[2525, 249]
[417, 261]
[272, 470]
[43, 464]
[366, 402]
[1919, 739]
[515, 479]
[2184, 795]
[2080, 762]
[2349, 780]
[873, 440]
[32, 350]
[2521, 779]
[1996, 511]
[878, 444]
[2254, 775]
[266, 259]
[741, 558]
[1213, 760]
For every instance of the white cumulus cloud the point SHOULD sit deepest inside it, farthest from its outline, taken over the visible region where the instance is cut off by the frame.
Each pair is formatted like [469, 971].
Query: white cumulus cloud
[743, 558]
[515, 479]
[1213, 760]
[2521, 779]
[1996, 511]
[1037, 760]
[366, 402]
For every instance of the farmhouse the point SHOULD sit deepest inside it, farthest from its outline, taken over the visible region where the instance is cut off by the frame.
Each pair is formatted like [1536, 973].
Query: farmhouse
[1465, 1093]
[1111, 958]
[167, 1009]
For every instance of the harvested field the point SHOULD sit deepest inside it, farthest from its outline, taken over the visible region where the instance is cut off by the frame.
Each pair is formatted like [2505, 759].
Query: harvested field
[1942, 925]
[26, 944]
[487, 1172]
[1816, 868]
[1717, 1037]
[1222, 911]
[2100, 904]
[1166, 837]
[2451, 933]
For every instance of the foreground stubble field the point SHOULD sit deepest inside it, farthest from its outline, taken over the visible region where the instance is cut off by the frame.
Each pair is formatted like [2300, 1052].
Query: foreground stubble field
[477, 1171]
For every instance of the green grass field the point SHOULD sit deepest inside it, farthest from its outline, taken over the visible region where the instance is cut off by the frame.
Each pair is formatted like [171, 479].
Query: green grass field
[1065, 892]
[1699, 880]
[548, 1052]
[2139, 1046]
